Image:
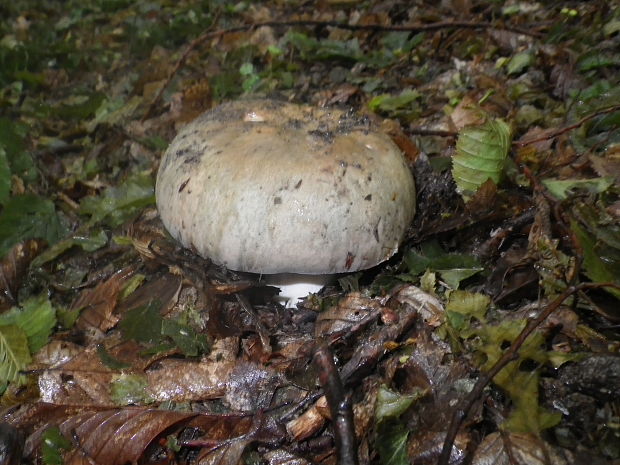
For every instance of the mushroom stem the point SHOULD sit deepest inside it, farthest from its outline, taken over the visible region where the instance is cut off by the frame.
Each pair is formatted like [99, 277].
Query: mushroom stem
[294, 287]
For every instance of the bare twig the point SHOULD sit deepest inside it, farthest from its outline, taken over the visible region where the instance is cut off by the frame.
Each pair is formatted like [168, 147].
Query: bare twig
[559, 132]
[310, 23]
[339, 405]
[511, 354]
[432, 132]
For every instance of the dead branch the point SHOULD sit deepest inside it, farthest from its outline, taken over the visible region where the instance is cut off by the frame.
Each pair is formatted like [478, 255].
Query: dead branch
[511, 354]
[432, 132]
[335, 24]
[339, 405]
[566, 129]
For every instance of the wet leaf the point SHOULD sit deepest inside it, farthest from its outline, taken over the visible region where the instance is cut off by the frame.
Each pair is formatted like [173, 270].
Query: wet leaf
[130, 389]
[469, 304]
[53, 445]
[519, 62]
[452, 267]
[519, 382]
[89, 242]
[36, 318]
[597, 59]
[28, 217]
[14, 353]
[109, 361]
[13, 270]
[5, 177]
[79, 106]
[143, 324]
[311, 48]
[562, 188]
[119, 204]
[481, 153]
[402, 104]
[517, 449]
[392, 404]
[97, 305]
[12, 143]
[392, 443]
[184, 337]
[596, 261]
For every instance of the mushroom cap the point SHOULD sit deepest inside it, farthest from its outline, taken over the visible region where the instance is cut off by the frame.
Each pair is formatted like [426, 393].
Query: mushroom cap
[271, 187]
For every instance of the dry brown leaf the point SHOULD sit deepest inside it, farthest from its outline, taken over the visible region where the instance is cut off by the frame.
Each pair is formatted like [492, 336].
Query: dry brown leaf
[516, 449]
[98, 304]
[349, 312]
[164, 289]
[118, 437]
[84, 379]
[466, 113]
[182, 380]
[13, 269]
[427, 305]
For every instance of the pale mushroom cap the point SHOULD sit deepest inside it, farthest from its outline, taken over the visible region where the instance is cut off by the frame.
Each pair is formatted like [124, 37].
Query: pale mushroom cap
[271, 187]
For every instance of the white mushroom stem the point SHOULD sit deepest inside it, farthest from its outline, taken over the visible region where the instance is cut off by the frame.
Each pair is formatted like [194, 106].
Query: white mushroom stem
[294, 287]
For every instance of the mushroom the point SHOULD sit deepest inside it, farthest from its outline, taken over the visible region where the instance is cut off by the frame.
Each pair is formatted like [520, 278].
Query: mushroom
[270, 187]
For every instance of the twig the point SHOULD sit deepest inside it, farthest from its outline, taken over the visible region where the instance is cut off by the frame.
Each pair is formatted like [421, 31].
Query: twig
[511, 354]
[350, 27]
[566, 129]
[432, 132]
[339, 405]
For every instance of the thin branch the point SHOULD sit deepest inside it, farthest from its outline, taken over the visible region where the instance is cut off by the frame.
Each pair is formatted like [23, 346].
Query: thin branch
[309, 23]
[339, 405]
[564, 130]
[431, 132]
[511, 354]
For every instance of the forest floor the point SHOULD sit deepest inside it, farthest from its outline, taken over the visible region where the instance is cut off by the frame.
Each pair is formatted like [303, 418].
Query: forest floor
[491, 337]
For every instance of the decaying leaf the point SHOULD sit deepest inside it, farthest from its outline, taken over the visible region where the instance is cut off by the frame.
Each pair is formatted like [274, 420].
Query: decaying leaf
[97, 305]
[13, 268]
[516, 449]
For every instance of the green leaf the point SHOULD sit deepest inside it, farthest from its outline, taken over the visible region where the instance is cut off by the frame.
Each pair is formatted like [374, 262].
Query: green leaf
[611, 27]
[89, 242]
[452, 267]
[326, 49]
[519, 62]
[184, 337]
[598, 263]
[53, 443]
[5, 177]
[562, 188]
[596, 59]
[519, 381]
[79, 106]
[392, 404]
[469, 304]
[399, 42]
[130, 389]
[12, 141]
[115, 111]
[389, 103]
[481, 153]
[28, 217]
[108, 360]
[391, 443]
[143, 324]
[117, 205]
[36, 318]
[14, 353]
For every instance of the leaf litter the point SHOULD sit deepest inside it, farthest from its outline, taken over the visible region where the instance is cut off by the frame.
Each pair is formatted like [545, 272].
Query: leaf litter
[111, 330]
